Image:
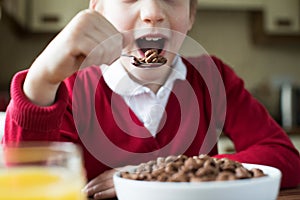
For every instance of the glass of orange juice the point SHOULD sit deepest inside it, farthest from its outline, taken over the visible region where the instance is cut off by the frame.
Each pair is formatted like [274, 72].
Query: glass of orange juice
[41, 171]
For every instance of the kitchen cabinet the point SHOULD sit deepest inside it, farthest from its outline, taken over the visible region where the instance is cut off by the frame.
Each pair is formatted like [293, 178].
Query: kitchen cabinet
[43, 15]
[271, 21]
[282, 17]
[261, 36]
[231, 4]
[279, 17]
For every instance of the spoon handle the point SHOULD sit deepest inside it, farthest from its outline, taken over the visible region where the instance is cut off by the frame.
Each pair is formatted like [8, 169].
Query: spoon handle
[126, 55]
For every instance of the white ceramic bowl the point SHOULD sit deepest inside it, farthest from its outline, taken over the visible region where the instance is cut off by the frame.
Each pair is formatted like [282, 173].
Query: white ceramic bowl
[264, 188]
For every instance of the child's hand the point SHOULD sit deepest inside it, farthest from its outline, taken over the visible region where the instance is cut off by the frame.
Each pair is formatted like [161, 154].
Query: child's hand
[102, 187]
[65, 54]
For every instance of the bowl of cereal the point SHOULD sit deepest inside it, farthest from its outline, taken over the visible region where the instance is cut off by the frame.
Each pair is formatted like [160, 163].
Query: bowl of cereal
[199, 177]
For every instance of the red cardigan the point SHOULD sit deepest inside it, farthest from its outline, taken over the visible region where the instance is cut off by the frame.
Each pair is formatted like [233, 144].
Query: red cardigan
[88, 113]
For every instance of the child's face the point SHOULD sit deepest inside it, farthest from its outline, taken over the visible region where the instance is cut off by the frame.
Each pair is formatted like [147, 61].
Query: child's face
[153, 23]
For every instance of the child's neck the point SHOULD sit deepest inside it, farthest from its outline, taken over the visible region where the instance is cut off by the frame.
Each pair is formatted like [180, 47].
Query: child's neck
[153, 87]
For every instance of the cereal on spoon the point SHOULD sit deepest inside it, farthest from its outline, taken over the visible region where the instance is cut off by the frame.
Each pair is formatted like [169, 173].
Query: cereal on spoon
[151, 56]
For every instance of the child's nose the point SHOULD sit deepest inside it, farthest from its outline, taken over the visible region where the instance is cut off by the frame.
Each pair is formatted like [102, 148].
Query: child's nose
[152, 11]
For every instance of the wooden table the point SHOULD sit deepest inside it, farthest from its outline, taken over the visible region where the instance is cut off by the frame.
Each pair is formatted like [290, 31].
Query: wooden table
[285, 194]
[289, 194]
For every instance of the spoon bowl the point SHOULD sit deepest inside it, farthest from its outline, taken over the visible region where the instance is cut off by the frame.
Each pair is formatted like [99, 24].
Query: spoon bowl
[143, 65]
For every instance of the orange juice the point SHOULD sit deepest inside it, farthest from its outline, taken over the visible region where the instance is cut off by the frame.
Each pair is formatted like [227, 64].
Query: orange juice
[40, 183]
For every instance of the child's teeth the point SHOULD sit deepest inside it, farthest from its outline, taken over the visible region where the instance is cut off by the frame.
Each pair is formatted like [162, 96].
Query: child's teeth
[152, 39]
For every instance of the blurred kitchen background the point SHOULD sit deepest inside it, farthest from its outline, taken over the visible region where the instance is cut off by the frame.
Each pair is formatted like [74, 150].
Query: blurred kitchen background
[260, 39]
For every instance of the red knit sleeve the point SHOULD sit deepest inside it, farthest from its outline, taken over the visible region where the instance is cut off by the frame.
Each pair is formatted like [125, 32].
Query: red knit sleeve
[257, 137]
[27, 121]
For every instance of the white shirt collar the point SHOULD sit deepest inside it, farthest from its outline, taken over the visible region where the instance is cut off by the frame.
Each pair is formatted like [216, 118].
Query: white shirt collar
[119, 81]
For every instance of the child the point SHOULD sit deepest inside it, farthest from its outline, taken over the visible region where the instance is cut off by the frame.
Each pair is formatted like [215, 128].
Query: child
[121, 114]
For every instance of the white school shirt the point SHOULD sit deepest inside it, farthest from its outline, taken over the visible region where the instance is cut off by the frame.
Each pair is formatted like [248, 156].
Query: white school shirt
[146, 105]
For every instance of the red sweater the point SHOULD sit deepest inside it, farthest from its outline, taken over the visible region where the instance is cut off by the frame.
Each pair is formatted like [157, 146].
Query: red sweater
[88, 113]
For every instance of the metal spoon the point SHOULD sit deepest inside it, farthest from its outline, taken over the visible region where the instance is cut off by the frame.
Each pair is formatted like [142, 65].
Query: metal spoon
[142, 64]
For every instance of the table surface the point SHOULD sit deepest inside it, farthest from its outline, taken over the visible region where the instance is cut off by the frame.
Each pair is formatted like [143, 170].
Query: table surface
[288, 194]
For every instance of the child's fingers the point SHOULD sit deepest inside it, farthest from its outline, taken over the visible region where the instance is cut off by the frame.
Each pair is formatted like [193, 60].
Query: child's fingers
[104, 53]
[108, 40]
[101, 178]
[127, 38]
[110, 193]
[100, 187]
[104, 26]
[95, 38]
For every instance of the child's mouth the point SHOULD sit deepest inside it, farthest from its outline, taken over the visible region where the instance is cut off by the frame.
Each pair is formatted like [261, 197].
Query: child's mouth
[146, 43]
